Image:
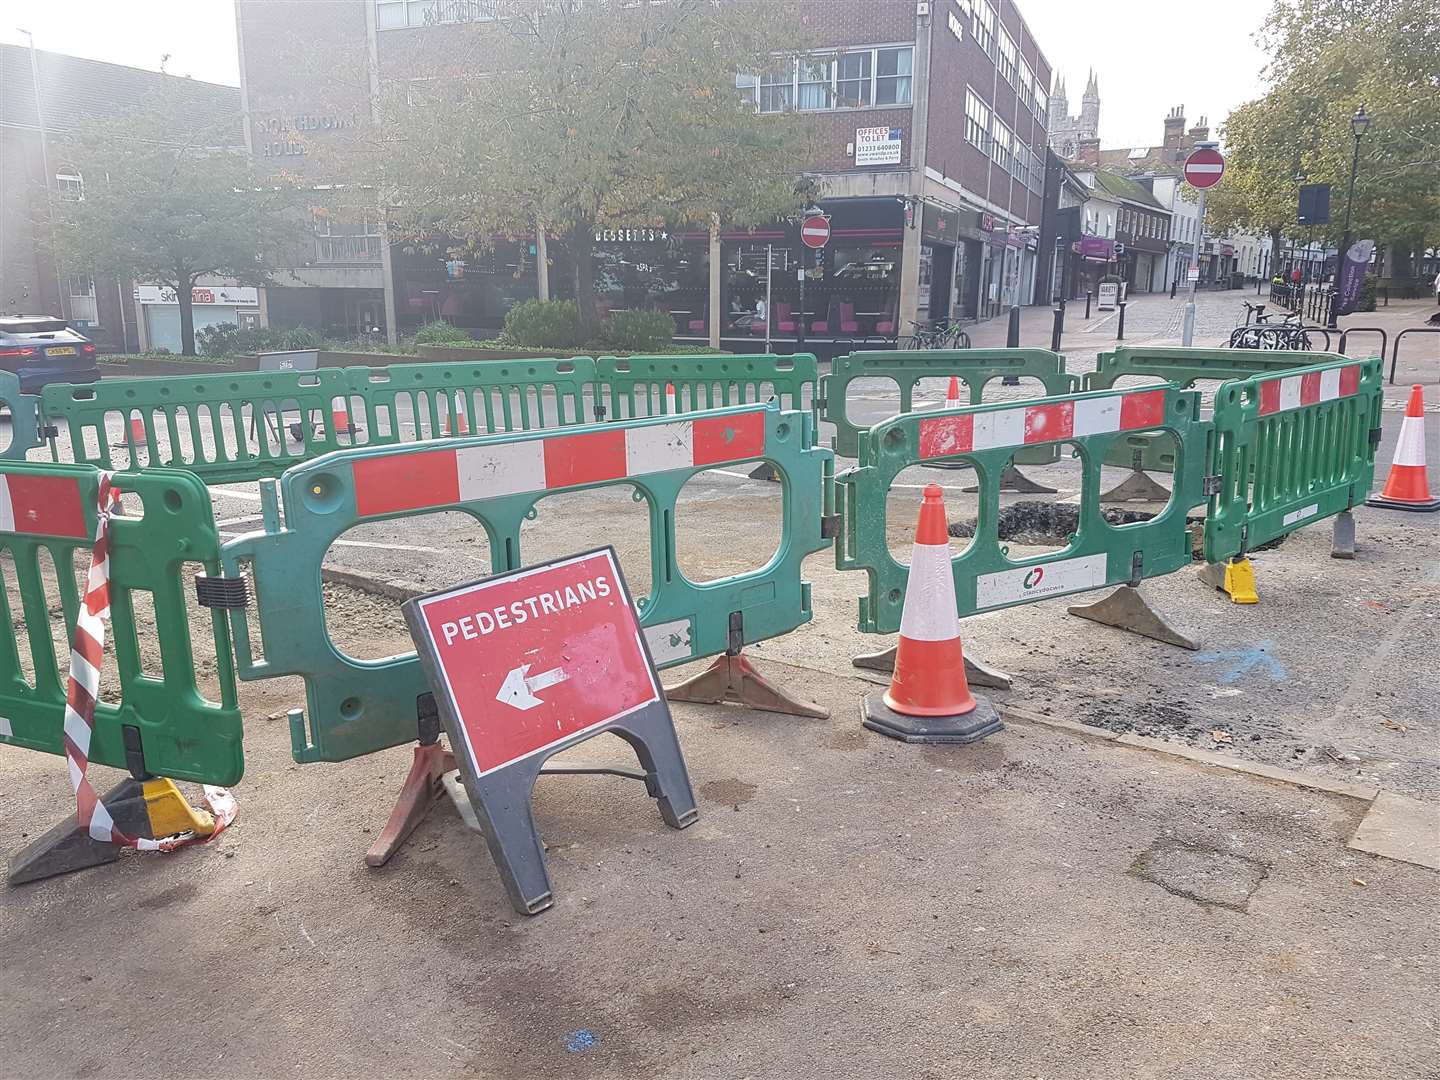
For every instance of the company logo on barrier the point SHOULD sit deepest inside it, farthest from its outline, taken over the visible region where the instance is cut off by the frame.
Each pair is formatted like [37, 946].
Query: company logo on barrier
[1033, 578]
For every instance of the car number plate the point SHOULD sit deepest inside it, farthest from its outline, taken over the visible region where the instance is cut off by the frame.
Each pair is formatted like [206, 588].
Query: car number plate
[61, 350]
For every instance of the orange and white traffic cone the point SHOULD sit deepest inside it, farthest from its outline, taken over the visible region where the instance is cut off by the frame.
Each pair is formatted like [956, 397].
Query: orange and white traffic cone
[339, 416]
[1408, 486]
[670, 408]
[952, 394]
[929, 699]
[137, 432]
[461, 422]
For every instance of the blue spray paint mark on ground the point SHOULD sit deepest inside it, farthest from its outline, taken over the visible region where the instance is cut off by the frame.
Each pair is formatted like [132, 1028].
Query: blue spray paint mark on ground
[579, 1041]
[1239, 662]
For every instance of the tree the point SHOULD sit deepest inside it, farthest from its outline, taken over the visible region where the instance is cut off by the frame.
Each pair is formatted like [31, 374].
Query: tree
[1328, 58]
[169, 199]
[572, 115]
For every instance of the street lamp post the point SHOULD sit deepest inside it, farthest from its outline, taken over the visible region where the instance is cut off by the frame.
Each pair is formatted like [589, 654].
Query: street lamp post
[1358, 125]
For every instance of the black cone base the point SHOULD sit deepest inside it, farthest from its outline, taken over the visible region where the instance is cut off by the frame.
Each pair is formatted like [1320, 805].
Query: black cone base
[966, 728]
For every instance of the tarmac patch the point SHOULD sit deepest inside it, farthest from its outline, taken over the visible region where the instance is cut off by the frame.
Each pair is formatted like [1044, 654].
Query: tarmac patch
[729, 791]
[1207, 875]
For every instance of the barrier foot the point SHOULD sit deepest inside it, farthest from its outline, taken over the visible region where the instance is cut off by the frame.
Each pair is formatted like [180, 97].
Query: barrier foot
[765, 471]
[423, 785]
[977, 673]
[1342, 544]
[1137, 487]
[1012, 479]
[67, 847]
[734, 678]
[965, 728]
[1126, 609]
[1235, 578]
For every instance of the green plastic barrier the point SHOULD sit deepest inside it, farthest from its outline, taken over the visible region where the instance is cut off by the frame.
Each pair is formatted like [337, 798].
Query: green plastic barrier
[1291, 450]
[166, 534]
[1184, 367]
[986, 578]
[976, 367]
[23, 422]
[240, 427]
[357, 706]
[629, 387]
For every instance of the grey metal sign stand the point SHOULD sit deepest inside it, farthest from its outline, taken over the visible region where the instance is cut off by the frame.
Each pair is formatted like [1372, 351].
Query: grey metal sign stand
[501, 794]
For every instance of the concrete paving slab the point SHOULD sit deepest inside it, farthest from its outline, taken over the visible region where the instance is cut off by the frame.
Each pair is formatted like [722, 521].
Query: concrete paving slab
[1397, 827]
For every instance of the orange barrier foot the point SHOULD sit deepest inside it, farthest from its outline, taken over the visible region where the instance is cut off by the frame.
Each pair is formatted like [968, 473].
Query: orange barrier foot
[423, 785]
[734, 679]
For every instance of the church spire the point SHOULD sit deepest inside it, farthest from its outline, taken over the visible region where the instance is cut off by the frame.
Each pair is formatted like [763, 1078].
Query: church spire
[1092, 89]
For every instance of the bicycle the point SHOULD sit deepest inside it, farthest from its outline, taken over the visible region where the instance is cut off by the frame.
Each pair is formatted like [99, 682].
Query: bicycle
[936, 334]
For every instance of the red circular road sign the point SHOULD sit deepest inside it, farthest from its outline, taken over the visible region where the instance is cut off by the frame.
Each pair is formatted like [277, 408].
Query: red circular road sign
[1204, 167]
[815, 231]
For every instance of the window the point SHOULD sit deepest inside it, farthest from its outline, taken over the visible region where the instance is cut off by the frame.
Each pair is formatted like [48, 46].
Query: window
[982, 25]
[853, 79]
[1007, 57]
[81, 288]
[977, 121]
[892, 76]
[1020, 164]
[70, 185]
[342, 241]
[394, 14]
[1000, 148]
[1042, 100]
[852, 83]
[776, 91]
[1027, 85]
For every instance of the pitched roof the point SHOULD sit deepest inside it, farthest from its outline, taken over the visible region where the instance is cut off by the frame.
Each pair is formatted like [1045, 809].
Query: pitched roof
[75, 92]
[1122, 187]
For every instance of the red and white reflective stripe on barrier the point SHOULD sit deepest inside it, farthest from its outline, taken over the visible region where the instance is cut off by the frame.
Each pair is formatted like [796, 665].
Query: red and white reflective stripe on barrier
[87, 654]
[41, 506]
[941, 436]
[393, 482]
[1310, 388]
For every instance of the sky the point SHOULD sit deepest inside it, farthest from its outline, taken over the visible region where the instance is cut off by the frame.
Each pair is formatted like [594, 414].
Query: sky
[1149, 55]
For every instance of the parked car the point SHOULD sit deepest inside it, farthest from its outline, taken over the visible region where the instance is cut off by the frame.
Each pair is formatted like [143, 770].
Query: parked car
[43, 349]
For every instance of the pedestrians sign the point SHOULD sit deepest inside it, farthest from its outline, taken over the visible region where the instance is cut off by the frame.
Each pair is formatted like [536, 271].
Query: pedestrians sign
[525, 664]
[815, 231]
[1204, 167]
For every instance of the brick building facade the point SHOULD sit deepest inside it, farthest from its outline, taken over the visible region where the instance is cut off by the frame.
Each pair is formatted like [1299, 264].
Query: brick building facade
[930, 117]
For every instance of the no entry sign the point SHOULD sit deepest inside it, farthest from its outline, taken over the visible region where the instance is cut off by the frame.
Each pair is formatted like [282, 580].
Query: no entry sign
[534, 658]
[525, 664]
[1204, 167]
[815, 231]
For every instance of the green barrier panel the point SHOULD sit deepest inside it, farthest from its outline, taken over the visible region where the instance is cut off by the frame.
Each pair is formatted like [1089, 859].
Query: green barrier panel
[977, 367]
[986, 578]
[254, 425]
[634, 386]
[1290, 450]
[167, 533]
[23, 421]
[1184, 366]
[359, 706]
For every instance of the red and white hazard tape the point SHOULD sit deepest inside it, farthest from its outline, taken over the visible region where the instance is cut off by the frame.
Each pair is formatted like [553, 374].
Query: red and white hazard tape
[389, 483]
[87, 653]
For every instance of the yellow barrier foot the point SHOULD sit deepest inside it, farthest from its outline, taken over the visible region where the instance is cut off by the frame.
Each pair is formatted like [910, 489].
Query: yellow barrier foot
[977, 672]
[732, 678]
[1126, 609]
[1236, 578]
[153, 808]
[1137, 487]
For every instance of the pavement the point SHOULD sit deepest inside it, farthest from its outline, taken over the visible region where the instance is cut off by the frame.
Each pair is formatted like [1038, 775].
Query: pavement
[1148, 873]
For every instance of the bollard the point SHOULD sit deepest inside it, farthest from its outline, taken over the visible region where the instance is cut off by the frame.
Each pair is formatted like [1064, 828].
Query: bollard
[1120, 331]
[1087, 303]
[1059, 329]
[1173, 284]
[1012, 341]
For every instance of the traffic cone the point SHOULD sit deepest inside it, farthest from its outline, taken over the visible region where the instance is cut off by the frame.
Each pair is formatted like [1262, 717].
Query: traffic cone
[929, 699]
[461, 424]
[339, 417]
[670, 408]
[1408, 487]
[137, 432]
[952, 394]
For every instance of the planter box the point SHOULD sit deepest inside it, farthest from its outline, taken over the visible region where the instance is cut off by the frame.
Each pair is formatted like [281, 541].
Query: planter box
[438, 353]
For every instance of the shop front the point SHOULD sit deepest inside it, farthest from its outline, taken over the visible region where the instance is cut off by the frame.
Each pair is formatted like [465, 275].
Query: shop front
[209, 304]
[1091, 258]
[468, 287]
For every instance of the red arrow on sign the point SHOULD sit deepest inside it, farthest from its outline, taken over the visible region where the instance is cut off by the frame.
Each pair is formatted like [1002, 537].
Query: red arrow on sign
[815, 231]
[1204, 167]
